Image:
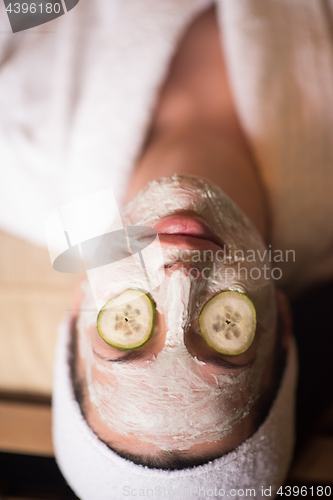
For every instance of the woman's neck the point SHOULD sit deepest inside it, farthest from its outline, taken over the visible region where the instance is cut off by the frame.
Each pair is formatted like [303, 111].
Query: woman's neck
[195, 129]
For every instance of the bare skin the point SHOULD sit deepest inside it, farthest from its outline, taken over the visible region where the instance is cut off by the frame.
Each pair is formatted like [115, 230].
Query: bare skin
[195, 129]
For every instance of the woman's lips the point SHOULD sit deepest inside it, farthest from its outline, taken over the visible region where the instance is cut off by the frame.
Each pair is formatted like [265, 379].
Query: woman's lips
[186, 232]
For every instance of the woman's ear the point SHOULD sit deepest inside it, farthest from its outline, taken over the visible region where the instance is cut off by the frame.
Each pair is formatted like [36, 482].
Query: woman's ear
[285, 317]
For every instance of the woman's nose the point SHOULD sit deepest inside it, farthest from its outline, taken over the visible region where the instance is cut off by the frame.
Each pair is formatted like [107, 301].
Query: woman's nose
[184, 267]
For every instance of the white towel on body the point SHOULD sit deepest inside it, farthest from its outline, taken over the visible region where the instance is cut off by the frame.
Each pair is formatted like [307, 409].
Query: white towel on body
[77, 95]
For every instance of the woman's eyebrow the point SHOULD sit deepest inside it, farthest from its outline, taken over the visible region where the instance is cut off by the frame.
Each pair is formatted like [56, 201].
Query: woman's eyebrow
[127, 358]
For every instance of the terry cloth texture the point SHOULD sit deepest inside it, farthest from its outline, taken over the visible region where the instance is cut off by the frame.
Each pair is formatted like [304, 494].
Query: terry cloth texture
[95, 472]
[77, 97]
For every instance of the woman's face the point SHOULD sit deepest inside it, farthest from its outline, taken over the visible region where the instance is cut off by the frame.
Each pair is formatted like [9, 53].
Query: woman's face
[176, 392]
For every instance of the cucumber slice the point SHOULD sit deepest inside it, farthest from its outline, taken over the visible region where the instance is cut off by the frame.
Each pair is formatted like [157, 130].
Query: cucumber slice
[228, 322]
[127, 321]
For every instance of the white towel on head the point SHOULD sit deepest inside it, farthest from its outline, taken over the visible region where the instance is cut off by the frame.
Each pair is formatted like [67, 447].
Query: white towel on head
[95, 472]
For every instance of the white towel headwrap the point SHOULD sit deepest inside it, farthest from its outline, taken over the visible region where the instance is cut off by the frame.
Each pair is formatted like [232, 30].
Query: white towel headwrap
[95, 472]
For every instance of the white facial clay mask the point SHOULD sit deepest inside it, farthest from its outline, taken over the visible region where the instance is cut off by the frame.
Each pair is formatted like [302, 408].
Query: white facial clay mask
[173, 400]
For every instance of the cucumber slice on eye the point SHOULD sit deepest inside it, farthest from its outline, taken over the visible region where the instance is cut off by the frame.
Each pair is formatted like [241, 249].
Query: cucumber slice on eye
[127, 321]
[228, 322]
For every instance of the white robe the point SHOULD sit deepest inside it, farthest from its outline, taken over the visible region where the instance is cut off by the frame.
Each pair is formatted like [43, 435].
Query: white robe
[77, 94]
